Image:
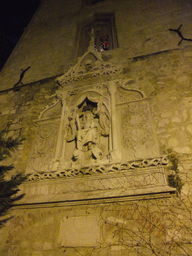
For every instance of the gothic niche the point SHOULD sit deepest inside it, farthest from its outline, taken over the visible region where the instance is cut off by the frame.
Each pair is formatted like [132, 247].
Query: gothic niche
[87, 133]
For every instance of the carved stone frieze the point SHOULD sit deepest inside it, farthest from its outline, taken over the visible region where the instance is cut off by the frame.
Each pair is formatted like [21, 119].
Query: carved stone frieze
[99, 169]
[80, 74]
[142, 177]
[126, 180]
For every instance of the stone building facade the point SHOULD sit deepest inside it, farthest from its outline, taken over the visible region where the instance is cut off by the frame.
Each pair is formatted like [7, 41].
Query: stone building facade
[104, 101]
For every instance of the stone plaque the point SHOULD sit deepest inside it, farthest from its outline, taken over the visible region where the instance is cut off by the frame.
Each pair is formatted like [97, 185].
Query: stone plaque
[79, 231]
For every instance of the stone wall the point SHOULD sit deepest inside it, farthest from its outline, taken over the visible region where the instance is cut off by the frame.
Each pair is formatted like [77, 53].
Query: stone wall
[164, 78]
[154, 119]
[168, 99]
[49, 44]
[122, 228]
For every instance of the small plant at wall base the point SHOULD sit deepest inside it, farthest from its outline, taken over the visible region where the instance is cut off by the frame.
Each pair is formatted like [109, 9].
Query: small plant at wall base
[8, 187]
[173, 178]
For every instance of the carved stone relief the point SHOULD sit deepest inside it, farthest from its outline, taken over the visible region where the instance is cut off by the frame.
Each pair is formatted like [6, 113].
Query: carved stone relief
[138, 138]
[94, 138]
[89, 67]
[84, 134]
[86, 130]
[85, 141]
[101, 169]
[43, 148]
[80, 148]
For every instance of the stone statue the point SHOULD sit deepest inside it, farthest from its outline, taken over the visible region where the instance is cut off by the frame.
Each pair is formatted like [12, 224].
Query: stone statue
[86, 126]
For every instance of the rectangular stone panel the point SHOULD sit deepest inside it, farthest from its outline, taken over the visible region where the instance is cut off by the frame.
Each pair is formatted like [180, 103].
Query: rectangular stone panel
[136, 132]
[79, 231]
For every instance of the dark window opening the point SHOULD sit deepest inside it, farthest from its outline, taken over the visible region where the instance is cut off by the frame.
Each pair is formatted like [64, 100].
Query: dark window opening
[91, 2]
[104, 33]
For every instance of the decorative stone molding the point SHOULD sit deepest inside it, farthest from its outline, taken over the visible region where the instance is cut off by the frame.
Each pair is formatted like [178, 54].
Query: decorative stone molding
[119, 181]
[80, 72]
[100, 169]
[49, 107]
[125, 95]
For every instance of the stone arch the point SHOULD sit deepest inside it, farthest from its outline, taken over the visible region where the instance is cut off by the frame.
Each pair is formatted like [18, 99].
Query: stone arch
[95, 97]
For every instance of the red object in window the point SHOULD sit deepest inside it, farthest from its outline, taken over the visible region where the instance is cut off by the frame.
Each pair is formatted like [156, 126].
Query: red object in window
[104, 44]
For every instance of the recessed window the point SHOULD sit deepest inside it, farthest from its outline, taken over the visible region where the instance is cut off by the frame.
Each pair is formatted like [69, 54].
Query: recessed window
[105, 34]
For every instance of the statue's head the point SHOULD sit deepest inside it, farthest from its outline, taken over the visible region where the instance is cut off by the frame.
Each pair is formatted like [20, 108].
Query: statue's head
[88, 116]
[87, 108]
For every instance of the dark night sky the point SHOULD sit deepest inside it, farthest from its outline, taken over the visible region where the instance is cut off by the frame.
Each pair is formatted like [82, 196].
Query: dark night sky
[14, 18]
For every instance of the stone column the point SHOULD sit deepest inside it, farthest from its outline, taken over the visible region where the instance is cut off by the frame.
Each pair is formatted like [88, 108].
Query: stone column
[60, 133]
[115, 155]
